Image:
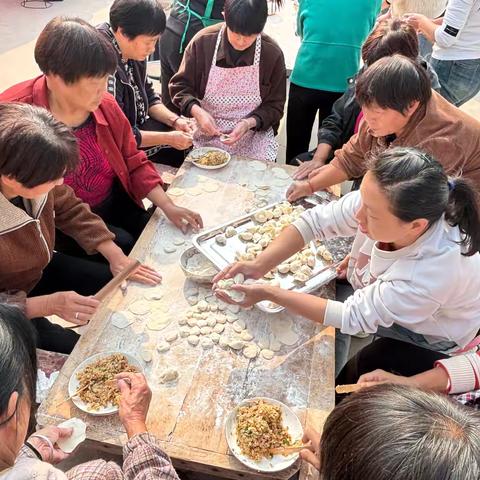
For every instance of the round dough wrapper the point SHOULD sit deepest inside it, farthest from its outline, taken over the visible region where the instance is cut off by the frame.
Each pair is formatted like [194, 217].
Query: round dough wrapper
[79, 434]
[140, 307]
[176, 191]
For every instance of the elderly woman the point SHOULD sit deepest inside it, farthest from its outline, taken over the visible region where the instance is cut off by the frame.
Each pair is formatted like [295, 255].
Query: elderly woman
[113, 176]
[392, 432]
[33, 458]
[232, 81]
[36, 151]
[134, 29]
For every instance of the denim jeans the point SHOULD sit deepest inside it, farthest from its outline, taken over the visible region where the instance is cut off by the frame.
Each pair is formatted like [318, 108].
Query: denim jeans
[459, 79]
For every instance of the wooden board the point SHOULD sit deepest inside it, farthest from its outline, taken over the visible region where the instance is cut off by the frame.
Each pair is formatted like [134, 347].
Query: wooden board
[188, 417]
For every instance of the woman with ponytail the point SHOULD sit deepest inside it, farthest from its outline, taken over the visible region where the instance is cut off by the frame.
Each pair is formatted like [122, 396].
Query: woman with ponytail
[414, 262]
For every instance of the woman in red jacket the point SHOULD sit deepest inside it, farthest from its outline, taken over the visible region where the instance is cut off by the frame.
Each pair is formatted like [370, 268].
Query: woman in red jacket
[113, 176]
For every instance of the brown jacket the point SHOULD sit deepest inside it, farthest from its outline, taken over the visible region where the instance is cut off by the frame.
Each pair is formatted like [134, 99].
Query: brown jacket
[440, 129]
[187, 86]
[27, 237]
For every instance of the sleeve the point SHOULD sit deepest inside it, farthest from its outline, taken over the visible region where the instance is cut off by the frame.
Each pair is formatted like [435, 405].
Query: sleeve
[337, 219]
[184, 85]
[351, 157]
[143, 174]
[152, 96]
[456, 16]
[270, 111]
[145, 460]
[75, 219]
[332, 128]
[463, 372]
[95, 470]
[384, 303]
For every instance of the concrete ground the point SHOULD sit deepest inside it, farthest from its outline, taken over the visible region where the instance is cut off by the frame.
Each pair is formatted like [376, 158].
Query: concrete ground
[19, 27]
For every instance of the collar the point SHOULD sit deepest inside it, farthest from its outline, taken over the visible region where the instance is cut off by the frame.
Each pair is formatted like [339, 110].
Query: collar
[40, 98]
[13, 218]
[225, 51]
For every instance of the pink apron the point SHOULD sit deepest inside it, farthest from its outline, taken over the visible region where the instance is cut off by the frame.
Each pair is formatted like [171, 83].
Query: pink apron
[230, 95]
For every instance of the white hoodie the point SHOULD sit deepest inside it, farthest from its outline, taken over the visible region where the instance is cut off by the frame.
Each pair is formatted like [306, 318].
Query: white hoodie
[429, 287]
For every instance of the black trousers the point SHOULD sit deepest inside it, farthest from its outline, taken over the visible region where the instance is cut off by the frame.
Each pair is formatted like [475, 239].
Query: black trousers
[166, 155]
[391, 355]
[123, 217]
[303, 105]
[65, 273]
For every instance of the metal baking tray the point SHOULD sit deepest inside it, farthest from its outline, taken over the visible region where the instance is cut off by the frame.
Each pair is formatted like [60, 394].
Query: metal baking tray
[223, 255]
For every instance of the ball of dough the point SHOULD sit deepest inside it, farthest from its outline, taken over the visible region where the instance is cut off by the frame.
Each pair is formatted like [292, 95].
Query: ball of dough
[221, 239]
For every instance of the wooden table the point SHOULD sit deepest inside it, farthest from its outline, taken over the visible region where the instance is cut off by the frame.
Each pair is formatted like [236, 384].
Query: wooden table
[189, 417]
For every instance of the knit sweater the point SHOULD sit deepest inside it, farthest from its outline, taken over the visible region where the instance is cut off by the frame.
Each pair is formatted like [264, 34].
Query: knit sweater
[428, 287]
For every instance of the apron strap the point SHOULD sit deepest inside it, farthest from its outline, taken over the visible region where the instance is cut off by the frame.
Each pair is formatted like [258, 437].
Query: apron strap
[258, 49]
[217, 45]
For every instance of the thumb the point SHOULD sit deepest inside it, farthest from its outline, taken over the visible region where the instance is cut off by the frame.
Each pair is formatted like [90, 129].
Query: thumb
[124, 387]
[310, 457]
[65, 432]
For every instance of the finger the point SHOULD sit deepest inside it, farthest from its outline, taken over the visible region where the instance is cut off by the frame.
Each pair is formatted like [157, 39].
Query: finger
[123, 386]
[146, 279]
[64, 432]
[222, 295]
[82, 309]
[150, 272]
[222, 274]
[86, 301]
[310, 457]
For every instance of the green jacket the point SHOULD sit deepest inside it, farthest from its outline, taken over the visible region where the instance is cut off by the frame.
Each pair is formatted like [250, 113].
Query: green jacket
[332, 33]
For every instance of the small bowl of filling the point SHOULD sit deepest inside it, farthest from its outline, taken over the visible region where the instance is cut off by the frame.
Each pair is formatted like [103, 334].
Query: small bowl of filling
[209, 158]
[196, 266]
[260, 427]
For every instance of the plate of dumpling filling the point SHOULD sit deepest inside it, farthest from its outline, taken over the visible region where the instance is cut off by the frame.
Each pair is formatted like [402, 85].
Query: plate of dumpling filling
[259, 429]
[209, 158]
[93, 387]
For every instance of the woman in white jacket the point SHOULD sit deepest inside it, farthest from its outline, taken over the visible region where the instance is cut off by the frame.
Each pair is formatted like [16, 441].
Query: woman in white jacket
[414, 262]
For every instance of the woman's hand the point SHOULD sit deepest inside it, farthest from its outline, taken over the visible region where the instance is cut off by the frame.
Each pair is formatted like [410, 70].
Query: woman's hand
[205, 121]
[183, 217]
[241, 128]
[306, 169]
[249, 269]
[72, 307]
[143, 274]
[298, 190]
[134, 402]
[184, 125]
[342, 268]
[311, 454]
[254, 293]
[416, 20]
[179, 140]
[381, 376]
[53, 433]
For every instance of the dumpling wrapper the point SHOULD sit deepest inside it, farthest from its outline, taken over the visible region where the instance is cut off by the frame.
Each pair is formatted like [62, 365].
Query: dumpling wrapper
[79, 434]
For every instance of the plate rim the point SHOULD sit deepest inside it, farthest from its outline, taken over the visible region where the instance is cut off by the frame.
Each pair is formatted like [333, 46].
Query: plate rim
[231, 419]
[71, 390]
[210, 167]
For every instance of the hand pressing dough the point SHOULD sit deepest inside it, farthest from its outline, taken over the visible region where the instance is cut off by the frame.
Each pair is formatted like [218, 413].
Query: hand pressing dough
[267, 354]
[250, 351]
[169, 248]
[171, 336]
[140, 307]
[169, 375]
[176, 192]
[163, 347]
[68, 445]
[193, 340]
[122, 319]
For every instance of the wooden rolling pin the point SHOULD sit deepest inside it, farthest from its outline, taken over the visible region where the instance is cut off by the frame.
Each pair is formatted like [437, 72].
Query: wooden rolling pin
[116, 281]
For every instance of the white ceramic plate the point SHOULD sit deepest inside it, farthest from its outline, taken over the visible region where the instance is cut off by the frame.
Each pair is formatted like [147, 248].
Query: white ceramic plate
[199, 152]
[73, 383]
[277, 462]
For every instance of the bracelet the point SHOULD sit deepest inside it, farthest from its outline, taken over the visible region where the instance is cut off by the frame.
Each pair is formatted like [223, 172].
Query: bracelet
[45, 439]
[175, 121]
[34, 450]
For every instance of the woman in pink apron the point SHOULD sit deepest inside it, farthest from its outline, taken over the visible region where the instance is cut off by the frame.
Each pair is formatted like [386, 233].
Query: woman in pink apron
[232, 81]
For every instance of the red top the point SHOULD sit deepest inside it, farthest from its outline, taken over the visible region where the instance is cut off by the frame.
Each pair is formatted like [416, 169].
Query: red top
[114, 134]
[92, 181]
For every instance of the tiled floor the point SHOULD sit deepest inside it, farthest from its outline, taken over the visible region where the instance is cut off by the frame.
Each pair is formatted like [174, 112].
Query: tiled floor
[19, 28]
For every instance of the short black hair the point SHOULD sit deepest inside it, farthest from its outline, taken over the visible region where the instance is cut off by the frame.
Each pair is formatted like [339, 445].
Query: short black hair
[73, 49]
[34, 147]
[138, 17]
[394, 82]
[246, 17]
[18, 361]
